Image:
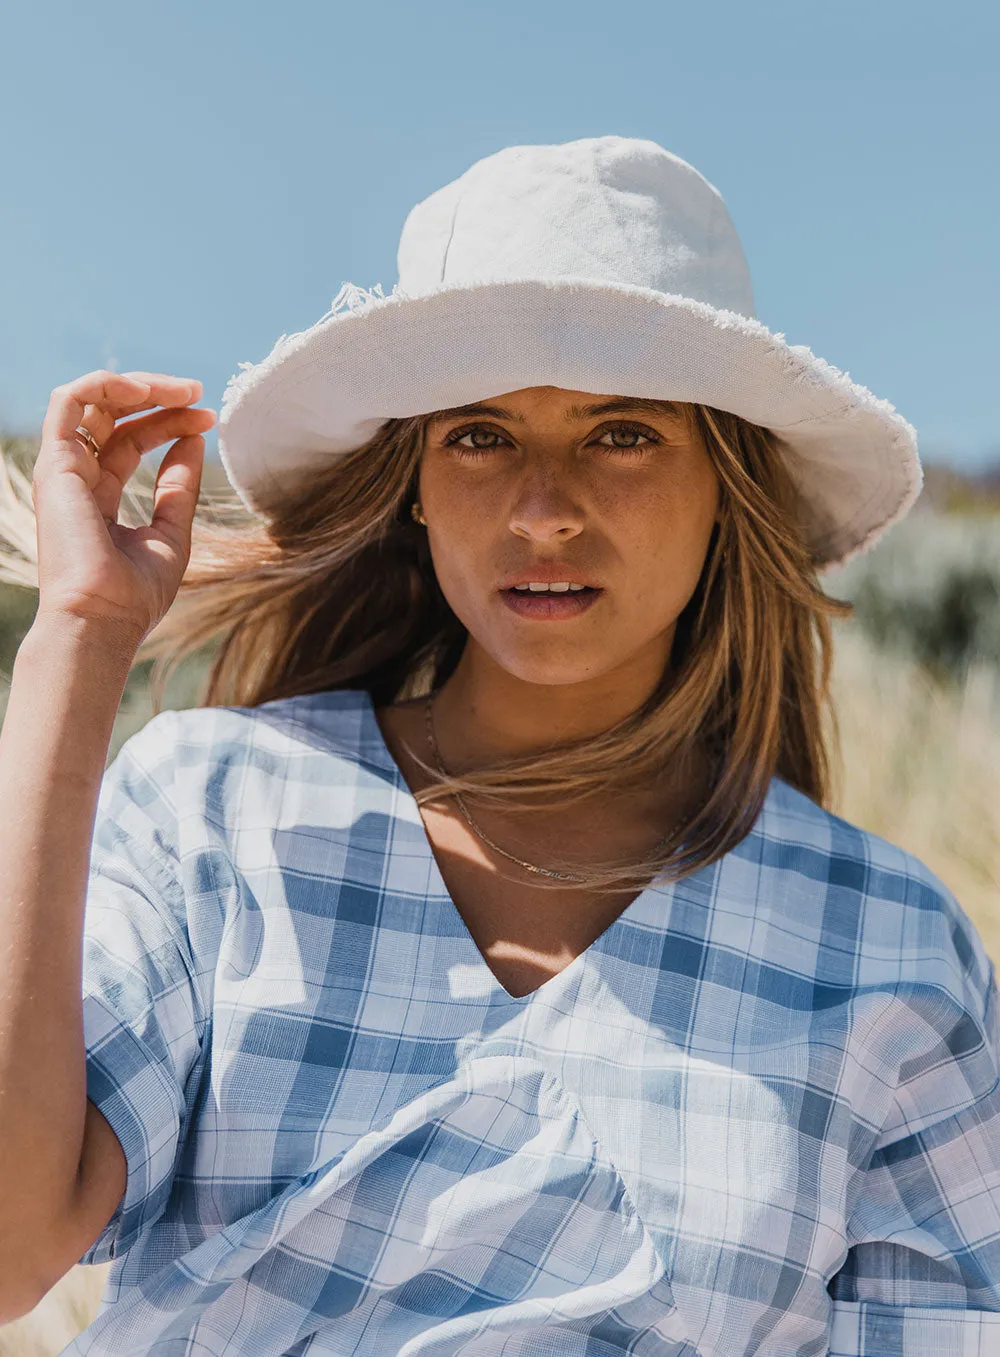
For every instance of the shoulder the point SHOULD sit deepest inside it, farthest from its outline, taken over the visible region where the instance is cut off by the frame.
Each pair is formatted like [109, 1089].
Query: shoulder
[871, 913]
[340, 722]
[212, 753]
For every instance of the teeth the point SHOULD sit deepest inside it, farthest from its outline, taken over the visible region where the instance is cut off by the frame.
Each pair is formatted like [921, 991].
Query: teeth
[542, 588]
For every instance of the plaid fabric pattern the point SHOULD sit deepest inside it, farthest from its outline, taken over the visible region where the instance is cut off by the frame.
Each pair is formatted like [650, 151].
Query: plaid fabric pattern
[759, 1115]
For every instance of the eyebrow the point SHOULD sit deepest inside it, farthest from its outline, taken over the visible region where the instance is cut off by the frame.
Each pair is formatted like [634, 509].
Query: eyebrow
[618, 405]
[479, 408]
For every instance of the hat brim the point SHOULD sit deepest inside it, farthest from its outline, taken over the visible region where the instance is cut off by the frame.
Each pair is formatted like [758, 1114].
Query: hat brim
[327, 390]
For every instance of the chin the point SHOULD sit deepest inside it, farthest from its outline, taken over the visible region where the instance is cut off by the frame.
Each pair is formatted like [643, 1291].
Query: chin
[552, 670]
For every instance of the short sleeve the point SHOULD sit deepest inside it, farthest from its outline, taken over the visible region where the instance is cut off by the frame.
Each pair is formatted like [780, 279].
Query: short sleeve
[922, 1275]
[143, 1016]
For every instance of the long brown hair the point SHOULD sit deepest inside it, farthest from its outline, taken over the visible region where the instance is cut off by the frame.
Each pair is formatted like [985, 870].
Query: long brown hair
[334, 588]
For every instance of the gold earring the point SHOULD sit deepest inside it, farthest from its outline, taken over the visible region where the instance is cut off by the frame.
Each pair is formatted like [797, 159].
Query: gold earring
[417, 515]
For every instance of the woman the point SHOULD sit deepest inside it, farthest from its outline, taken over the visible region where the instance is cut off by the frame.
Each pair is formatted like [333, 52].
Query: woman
[477, 969]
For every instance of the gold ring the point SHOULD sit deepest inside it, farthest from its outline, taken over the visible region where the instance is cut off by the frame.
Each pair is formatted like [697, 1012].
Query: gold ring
[88, 439]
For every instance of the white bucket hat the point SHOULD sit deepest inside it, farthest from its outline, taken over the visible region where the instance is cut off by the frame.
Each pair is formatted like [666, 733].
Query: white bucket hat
[605, 265]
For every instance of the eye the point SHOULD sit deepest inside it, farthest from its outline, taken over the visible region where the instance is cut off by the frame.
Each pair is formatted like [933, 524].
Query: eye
[627, 438]
[475, 440]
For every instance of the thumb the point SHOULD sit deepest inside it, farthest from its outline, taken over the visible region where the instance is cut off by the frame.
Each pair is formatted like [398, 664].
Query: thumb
[175, 495]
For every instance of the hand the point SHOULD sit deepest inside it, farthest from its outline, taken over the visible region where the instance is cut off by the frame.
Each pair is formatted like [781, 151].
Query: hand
[89, 565]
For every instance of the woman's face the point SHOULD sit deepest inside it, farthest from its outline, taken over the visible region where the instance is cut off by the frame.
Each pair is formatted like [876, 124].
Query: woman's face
[558, 487]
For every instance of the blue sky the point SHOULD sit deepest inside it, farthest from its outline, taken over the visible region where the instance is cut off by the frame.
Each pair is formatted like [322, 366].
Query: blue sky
[182, 182]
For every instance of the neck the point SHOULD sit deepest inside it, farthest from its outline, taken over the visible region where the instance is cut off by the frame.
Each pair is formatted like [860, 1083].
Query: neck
[483, 712]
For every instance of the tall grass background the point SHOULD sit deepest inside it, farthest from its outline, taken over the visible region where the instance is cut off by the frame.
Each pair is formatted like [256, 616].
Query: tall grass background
[917, 697]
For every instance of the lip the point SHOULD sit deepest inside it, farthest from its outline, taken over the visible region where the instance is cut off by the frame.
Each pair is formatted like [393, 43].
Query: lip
[549, 607]
[547, 572]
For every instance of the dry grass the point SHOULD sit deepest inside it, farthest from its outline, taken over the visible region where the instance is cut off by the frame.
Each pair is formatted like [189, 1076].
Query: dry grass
[920, 768]
[919, 764]
[58, 1317]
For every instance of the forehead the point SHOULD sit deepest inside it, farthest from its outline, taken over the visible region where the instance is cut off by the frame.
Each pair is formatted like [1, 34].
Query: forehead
[547, 401]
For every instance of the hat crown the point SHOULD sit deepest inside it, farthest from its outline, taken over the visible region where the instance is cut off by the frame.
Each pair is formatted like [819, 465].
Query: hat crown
[618, 210]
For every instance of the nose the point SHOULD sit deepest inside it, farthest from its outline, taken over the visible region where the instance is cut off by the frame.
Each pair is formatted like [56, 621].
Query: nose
[545, 510]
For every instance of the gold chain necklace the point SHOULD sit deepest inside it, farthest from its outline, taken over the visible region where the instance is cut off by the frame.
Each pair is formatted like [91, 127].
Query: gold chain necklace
[528, 866]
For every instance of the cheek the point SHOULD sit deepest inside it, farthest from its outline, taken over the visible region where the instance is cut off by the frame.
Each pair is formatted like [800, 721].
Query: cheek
[461, 535]
[653, 533]
[664, 543]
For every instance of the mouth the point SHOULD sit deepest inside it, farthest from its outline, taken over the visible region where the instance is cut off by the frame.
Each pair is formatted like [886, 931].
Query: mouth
[552, 603]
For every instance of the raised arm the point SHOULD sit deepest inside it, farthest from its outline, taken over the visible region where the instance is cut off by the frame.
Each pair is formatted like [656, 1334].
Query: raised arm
[102, 588]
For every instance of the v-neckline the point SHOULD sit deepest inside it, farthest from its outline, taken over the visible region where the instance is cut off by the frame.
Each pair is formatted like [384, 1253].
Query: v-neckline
[662, 891]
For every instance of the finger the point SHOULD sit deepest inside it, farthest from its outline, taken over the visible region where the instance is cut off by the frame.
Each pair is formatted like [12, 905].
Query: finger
[132, 440]
[101, 420]
[167, 379]
[167, 390]
[175, 496]
[68, 402]
[161, 397]
[117, 392]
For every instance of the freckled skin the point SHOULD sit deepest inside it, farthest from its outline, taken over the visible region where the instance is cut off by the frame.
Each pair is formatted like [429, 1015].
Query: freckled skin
[636, 521]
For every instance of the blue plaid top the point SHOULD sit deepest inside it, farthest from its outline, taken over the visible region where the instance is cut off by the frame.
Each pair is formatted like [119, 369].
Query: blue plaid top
[759, 1114]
